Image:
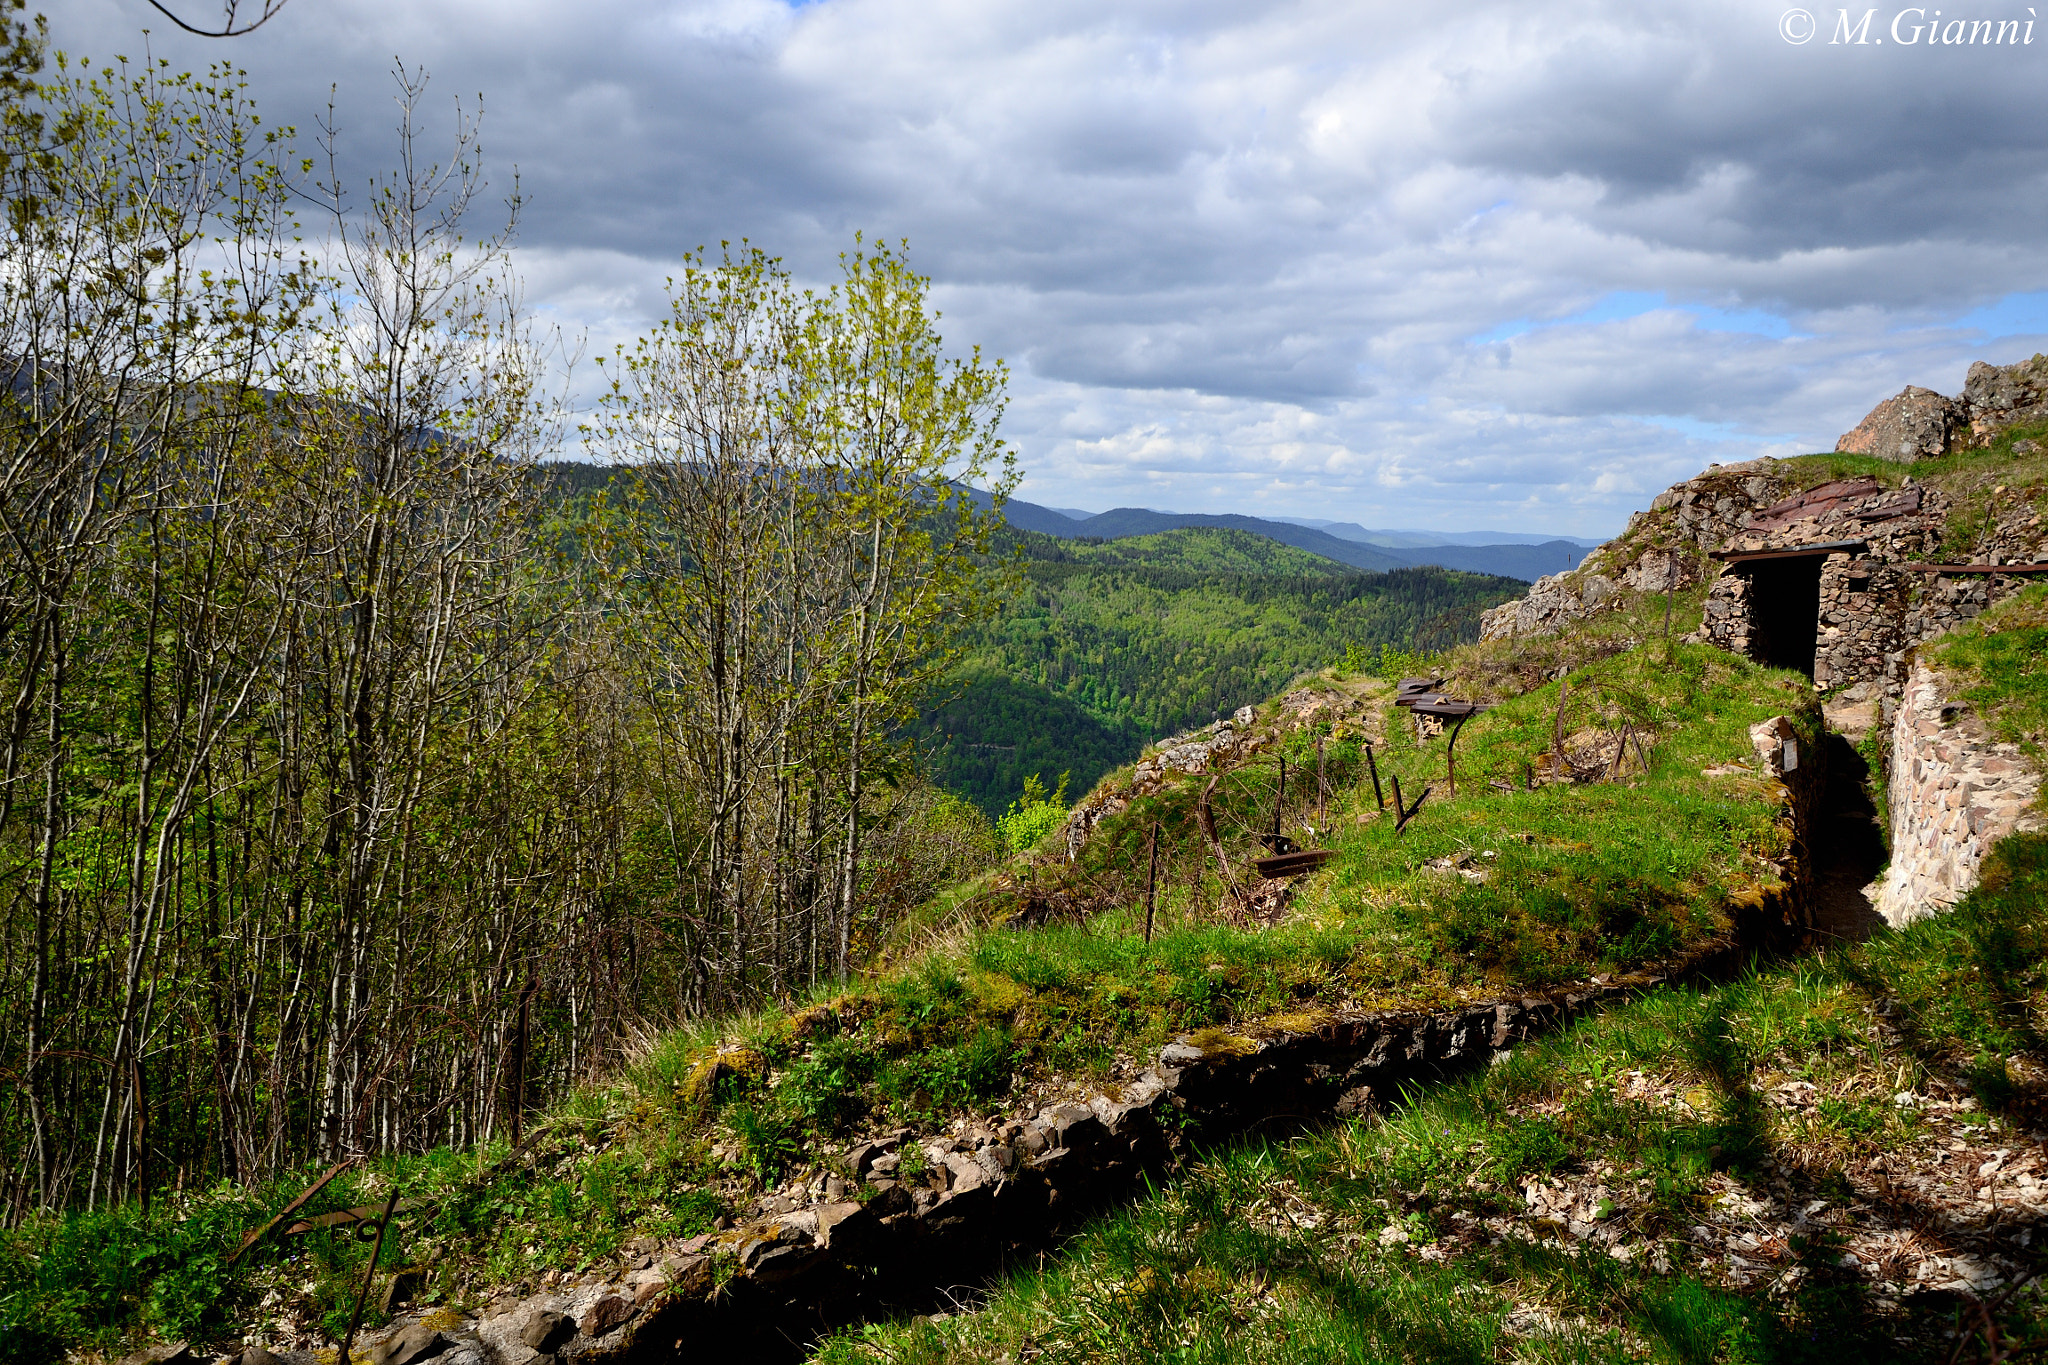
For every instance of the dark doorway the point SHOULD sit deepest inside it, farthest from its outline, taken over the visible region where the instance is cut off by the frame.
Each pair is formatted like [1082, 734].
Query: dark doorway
[1784, 609]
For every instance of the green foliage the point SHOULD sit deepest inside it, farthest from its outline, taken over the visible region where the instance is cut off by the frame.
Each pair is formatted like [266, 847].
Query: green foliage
[2005, 652]
[1529, 1147]
[1106, 645]
[991, 731]
[1390, 662]
[768, 1142]
[1033, 815]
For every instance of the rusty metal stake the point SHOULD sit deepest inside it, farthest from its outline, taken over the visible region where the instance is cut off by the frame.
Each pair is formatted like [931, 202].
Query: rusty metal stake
[355, 1319]
[1280, 797]
[1451, 754]
[1377, 795]
[1151, 879]
[1401, 823]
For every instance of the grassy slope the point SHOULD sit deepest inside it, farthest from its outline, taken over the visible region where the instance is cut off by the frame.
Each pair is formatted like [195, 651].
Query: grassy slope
[1724, 1141]
[964, 1010]
[695, 1126]
[1719, 1152]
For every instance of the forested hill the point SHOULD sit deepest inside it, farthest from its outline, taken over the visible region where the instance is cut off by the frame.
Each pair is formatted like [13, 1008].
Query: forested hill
[1108, 645]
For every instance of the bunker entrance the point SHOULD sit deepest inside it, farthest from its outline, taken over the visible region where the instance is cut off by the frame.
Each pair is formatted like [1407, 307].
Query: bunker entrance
[1784, 601]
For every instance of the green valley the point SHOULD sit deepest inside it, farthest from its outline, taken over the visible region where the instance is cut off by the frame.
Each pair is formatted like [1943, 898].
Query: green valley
[1106, 645]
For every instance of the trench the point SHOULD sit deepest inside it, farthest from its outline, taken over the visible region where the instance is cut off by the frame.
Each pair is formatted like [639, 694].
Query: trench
[948, 1260]
[1848, 848]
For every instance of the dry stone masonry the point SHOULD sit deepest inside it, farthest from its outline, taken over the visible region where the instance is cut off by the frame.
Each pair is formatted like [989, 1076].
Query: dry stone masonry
[1954, 792]
[902, 1208]
[1841, 581]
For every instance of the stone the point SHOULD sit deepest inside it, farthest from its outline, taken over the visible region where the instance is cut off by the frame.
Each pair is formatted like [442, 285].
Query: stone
[168, 1353]
[608, 1314]
[415, 1341]
[843, 1221]
[547, 1331]
[780, 1248]
[403, 1287]
[257, 1355]
[1915, 424]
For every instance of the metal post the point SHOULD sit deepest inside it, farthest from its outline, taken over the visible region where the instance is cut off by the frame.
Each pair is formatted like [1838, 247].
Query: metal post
[1280, 797]
[355, 1319]
[1151, 880]
[1378, 796]
[1451, 755]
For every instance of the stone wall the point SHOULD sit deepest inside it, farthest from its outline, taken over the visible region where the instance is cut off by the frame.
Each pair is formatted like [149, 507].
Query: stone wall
[1954, 792]
[884, 1227]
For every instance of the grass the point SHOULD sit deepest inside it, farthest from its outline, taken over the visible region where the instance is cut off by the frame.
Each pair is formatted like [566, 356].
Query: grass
[960, 1010]
[2002, 652]
[1577, 878]
[1377, 1239]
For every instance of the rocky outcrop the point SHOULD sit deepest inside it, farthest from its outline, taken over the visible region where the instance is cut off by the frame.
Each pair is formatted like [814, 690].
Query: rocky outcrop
[1702, 513]
[1919, 424]
[1997, 396]
[1955, 791]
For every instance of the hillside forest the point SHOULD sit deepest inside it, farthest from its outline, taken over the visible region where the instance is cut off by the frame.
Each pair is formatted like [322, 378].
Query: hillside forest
[365, 784]
[351, 799]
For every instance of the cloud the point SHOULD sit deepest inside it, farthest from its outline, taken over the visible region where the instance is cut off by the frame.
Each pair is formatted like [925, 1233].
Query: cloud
[1507, 264]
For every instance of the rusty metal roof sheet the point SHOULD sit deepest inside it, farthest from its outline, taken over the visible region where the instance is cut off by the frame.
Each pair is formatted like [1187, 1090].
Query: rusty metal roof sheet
[1825, 547]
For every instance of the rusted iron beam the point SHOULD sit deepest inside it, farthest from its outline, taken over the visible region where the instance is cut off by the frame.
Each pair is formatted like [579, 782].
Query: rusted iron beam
[1825, 547]
[1294, 864]
[288, 1210]
[362, 1213]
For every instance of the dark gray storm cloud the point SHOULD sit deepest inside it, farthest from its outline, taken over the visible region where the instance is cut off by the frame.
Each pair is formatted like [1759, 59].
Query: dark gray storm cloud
[1512, 264]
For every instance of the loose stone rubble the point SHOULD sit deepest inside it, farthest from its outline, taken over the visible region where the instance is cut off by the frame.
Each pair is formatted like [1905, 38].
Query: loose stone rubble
[1954, 792]
[1872, 610]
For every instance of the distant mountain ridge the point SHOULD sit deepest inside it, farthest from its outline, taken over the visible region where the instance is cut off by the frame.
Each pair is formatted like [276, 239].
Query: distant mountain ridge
[1515, 556]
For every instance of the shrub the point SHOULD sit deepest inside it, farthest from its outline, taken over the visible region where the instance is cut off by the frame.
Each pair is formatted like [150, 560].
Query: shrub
[1033, 815]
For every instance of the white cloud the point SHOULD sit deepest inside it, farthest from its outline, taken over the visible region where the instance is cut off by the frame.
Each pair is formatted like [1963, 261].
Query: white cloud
[1237, 253]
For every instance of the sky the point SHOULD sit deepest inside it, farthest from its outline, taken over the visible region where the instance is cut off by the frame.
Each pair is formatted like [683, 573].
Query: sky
[1512, 266]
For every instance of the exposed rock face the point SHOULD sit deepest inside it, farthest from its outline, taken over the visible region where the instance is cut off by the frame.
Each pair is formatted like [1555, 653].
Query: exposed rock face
[1954, 792]
[1996, 396]
[1917, 424]
[1704, 512]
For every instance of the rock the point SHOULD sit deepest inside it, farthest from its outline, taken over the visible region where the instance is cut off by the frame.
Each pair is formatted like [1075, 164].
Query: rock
[257, 1355]
[1776, 742]
[1916, 424]
[608, 1314]
[415, 1341]
[169, 1353]
[547, 1331]
[403, 1287]
[843, 1221]
[780, 1248]
[1996, 396]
